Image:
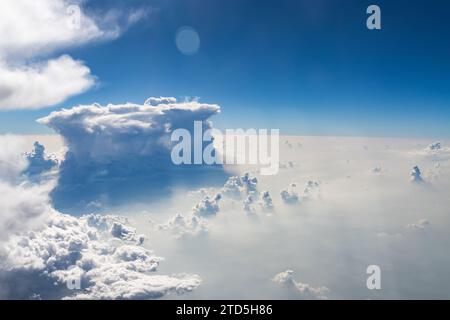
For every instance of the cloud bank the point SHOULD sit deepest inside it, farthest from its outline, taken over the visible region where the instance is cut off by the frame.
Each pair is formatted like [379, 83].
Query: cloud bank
[43, 250]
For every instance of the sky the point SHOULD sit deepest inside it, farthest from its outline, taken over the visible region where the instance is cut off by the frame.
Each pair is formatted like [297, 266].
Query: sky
[305, 67]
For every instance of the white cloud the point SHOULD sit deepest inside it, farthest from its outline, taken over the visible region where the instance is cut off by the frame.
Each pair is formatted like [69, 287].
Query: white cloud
[290, 195]
[12, 163]
[29, 31]
[39, 162]
[185, 225]
[312, 190]
[29, 28]
[41, 249]
[416, 174]
[422, 224]
[266, 201]
[126, 146]
[236, 187]
[39, 85]
[108, 267]
[306, 291]
[208, 206]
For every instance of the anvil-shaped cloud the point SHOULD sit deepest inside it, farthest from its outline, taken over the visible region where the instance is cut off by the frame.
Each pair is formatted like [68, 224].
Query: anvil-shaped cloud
[122, 151]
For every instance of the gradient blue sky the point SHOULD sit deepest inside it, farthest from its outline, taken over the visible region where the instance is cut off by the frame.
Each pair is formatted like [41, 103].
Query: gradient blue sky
[306, 67]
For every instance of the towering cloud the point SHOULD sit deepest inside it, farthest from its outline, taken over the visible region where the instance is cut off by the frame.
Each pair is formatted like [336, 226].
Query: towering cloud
[118, 151]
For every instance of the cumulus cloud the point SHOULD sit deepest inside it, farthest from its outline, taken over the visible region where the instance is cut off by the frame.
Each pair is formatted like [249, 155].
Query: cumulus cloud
[236, 187]
[306, 291]
[207, 207]
[107, 264]
[185, 225]
[126, 148]
[266, 201]
[416, 174]
[12, 163]
[43, 250]
[39, 85]
[312, 190]
[422, 224]
[38, 162]
[22, 208]
[30, 31]
[290, 195]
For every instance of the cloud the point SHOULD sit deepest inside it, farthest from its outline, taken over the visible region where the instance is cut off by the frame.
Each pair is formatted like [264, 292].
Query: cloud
[290, 195]
[38, 162]
[416, 174]
[39, 85]
[422, 224]
[236, 187]
[266, 201]
[22, 208]
[312, 190]
[306, 291]
[107, 265]
[121, 151]
[207, 207]
[12, 163]
[42, 250]
[31, 31]
[185, 225]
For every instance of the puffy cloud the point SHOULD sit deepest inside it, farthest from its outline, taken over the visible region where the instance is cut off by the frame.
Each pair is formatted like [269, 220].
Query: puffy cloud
[312, 190]
[290, 195]
[22, 208]
[28, 32]
[236, 187]
[185, 225]
[435, 146]
[247, 205]
[416, 174]
[44, 84]
[207, 207]
[154, 101]
[39, 162]
[422, 224]
[108, 263]
[122, 150]
[306, 291]
[377, 170]
[28, 29]
[266, 201]
[435, 151]
[117, 226]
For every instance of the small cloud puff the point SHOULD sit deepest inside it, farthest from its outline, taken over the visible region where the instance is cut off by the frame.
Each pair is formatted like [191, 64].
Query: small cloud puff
[416, 175]
[306, 291]
[185, 225]
[39, 162]
[266, 201]
[422, 224]
[207, 207]
[290, 195]
[237, 187]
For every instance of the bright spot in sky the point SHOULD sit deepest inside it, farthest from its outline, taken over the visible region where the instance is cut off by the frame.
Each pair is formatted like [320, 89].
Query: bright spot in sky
[187, 40]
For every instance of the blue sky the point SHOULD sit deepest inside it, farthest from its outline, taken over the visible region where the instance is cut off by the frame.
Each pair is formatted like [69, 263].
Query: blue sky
[306, 67]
